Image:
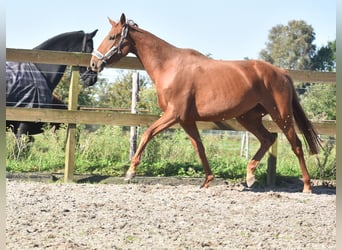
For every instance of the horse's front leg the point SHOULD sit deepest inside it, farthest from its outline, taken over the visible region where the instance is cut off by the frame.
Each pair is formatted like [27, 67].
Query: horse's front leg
[25, 128]
[165, 121]
[192, 131]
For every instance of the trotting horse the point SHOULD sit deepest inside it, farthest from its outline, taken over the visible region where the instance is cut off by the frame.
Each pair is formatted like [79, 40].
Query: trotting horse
[192, 87]
[32, 84]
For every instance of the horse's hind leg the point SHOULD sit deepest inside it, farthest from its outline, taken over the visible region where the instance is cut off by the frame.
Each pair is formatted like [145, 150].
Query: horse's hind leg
[252, 121]
[282, 114]
[192, 131]
[286, 124]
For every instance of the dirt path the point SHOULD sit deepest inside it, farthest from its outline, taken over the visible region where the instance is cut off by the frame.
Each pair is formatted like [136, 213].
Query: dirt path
[146, 216]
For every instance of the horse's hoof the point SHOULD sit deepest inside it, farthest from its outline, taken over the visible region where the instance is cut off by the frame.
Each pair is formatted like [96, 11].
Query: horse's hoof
[307, 190]
[250, 181]
[129, 176]
[207, 181]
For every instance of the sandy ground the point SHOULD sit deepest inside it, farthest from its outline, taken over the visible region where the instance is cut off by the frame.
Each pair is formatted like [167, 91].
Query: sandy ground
[165, 216]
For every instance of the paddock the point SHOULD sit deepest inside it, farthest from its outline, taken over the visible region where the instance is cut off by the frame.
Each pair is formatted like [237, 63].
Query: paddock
[151, 215]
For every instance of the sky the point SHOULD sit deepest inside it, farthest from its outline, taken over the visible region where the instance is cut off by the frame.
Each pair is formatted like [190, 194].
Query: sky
[225, 29]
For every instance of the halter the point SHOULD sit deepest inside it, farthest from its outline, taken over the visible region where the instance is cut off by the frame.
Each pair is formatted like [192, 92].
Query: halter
[88, 70]
[83, 50]
[84, 44]
[104, 58]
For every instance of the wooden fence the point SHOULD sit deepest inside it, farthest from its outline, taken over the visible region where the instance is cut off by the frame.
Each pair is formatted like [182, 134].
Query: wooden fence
[72, 116]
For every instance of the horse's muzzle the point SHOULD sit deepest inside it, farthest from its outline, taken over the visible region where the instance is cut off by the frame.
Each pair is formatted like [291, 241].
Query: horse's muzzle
[89, 77]
[96, 64]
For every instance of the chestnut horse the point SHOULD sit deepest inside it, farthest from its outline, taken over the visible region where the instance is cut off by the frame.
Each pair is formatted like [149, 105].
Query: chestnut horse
[192, 87]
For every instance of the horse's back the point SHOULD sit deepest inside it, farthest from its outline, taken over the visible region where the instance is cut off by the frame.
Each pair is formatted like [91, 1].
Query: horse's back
[256, 75]
[26, 86]
[225, 89]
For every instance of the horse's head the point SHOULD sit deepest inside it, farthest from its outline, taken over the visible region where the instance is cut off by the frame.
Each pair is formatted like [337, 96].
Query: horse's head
[88, 77]
[113, 47]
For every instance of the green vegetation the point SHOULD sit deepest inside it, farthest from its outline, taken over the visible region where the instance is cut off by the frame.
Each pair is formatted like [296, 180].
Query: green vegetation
[292, 46]
[105, 151]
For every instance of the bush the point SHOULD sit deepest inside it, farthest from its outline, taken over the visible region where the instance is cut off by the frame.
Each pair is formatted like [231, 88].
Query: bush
[46, 153]
[105, 151]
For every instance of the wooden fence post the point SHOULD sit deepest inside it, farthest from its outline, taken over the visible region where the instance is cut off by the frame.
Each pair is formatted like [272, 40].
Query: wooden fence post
[74, 90]
[135, 95]
[272, 163]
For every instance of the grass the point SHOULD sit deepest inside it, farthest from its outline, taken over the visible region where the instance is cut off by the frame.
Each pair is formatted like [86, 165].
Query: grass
[105, 151]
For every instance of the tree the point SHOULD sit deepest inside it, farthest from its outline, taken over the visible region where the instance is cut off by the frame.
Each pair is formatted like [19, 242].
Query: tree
[320, 99]
[62, 88]
[325, 58]
[118, 93]
[290, 46]
[85, 97]
[148, 101]
[114, 94]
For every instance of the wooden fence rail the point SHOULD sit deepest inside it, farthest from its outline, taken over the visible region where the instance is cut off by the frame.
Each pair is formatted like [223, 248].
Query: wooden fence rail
[65, 58]
[83, 59]
[73, 116]
[126, 119]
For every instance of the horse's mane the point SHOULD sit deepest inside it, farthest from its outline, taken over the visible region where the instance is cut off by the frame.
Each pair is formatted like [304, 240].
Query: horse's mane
[136, 28]
[55, 40]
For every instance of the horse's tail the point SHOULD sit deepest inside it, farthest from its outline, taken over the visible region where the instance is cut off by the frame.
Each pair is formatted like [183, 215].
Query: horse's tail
[304, 124]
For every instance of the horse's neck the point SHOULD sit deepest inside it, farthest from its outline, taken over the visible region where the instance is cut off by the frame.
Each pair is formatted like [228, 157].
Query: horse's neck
[53, 73]
[153, 52]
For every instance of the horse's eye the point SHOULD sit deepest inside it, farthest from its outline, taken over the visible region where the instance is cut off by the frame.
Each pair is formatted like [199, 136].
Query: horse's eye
[112, 37]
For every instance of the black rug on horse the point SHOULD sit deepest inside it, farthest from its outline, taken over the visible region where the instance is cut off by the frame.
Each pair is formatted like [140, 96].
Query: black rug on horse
[26, 86]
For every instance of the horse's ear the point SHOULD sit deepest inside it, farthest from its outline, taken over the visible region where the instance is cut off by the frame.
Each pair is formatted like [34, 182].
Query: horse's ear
[92, 34]
[123, 19]
[111, 21]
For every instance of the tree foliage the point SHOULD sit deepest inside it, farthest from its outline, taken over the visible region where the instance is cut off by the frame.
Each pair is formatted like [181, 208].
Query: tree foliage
[320, 101]
[325, 58]
[62, 90]
[116, 94]
[290, 46]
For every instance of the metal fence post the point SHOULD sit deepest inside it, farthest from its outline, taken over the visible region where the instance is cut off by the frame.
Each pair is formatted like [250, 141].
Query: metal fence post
[135, 97]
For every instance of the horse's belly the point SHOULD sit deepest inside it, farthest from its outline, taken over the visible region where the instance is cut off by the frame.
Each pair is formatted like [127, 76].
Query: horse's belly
[224, 107]
[218, 114]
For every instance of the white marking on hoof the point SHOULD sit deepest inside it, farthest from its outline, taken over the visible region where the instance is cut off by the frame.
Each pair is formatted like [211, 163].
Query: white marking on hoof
[129, 176]
[307, 191]
[250, 180]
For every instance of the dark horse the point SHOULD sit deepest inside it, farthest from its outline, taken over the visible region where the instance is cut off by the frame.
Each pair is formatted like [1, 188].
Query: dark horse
[192, 87]
[32, 84]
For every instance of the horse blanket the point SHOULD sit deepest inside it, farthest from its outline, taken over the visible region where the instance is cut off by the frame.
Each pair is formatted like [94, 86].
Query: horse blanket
[26, 86]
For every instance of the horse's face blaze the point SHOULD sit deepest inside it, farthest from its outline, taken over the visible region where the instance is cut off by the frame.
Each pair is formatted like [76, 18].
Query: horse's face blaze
[113, 47]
